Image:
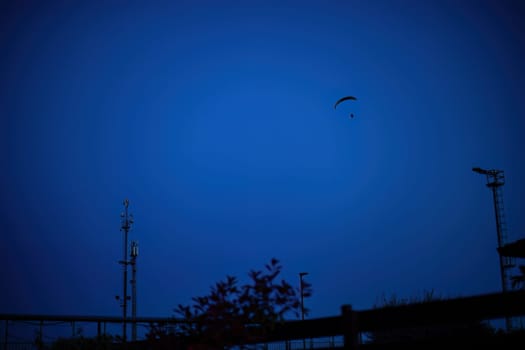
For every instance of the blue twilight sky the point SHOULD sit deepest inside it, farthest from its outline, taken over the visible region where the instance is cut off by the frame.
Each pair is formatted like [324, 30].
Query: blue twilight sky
[216, 119]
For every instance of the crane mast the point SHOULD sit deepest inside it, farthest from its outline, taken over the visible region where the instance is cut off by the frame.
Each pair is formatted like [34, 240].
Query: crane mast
[495, 181]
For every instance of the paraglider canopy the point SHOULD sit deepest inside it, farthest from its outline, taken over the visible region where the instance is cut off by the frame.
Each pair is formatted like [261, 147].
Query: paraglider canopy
[346, 98]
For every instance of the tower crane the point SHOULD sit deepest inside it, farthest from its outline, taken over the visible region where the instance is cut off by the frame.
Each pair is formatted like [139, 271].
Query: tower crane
[495, 181]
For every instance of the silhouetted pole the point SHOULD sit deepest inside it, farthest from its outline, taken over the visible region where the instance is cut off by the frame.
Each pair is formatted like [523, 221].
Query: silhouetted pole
[127, 220]
[301, 274]
[350, 328]
[41, 335]
[6, 333]
[134, 254]
[301, 284]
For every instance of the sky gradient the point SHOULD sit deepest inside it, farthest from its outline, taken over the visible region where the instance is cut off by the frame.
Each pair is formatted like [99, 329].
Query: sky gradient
[217, 121]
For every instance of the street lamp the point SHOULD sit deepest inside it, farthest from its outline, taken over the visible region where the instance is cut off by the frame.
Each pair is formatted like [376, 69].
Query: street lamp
[301, 274]
[301, 287]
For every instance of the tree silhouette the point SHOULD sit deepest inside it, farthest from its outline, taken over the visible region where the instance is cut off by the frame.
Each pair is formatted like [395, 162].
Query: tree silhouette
[232, 315]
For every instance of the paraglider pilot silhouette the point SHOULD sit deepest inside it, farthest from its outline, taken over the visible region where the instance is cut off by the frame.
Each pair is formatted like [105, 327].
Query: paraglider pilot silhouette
[346, 98]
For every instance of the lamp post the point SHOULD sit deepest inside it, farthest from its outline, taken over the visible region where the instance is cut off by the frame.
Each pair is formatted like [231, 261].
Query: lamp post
[301, 286]
[301, 274]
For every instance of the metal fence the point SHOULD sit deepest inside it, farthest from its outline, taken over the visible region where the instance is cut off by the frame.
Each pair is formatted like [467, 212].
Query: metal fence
[345, 330]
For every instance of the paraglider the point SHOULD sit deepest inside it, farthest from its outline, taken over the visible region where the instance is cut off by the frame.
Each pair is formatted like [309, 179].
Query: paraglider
[345, 99]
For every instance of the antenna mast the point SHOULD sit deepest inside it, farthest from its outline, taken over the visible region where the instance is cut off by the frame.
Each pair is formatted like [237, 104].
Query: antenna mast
[127, 220]
[134, 253]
